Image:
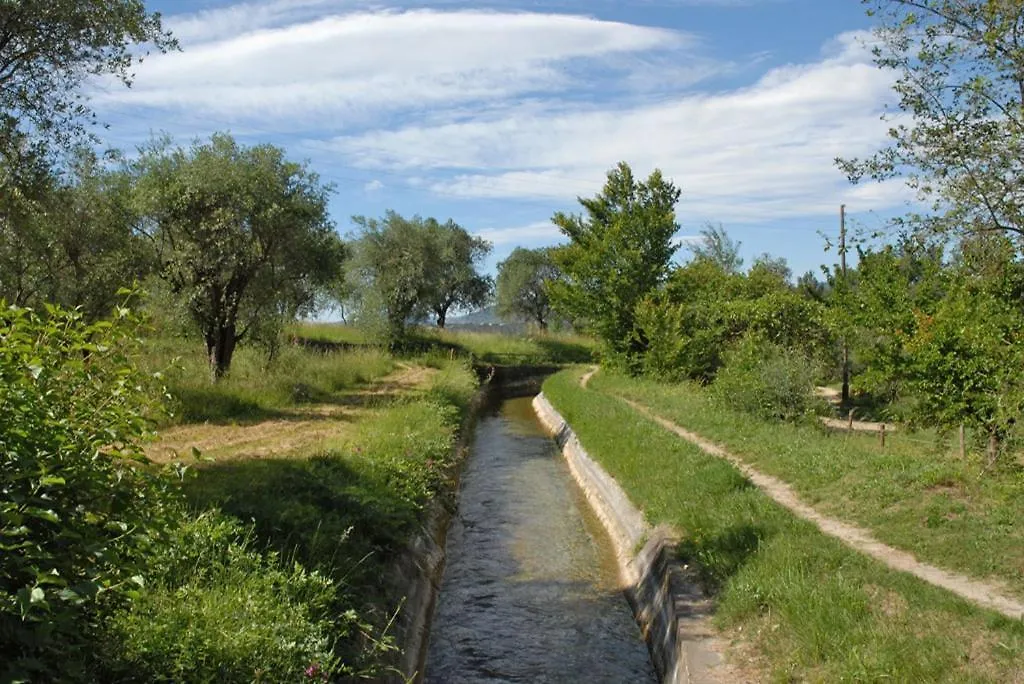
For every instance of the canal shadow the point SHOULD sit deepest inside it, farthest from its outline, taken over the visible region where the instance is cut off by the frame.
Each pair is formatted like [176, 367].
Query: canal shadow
[716, 558]
[328, 512]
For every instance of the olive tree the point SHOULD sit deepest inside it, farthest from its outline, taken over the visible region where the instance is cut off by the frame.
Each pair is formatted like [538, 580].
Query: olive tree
[49, 48]
[522, 288]
[456, 282]
[240, 235]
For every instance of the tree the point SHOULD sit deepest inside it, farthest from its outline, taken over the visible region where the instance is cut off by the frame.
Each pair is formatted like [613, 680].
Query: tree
[522, 289]
[456, 281]
[718, 248]
[241, 236]
[959, 139]
[48, 48]
[75, 245]
[619, 252]
[392, 271]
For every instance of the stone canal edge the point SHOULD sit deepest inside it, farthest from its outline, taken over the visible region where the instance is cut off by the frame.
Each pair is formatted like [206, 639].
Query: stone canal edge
[673, 614]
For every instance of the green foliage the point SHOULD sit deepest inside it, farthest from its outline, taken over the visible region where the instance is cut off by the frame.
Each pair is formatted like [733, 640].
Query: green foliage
[221, 612]
[48, 48]
[619, 252]
[455, 281]
[70, 240]
[718, 248]
[703, 309]
[77, 516]
[522, 289]
[959, 78]
[768, 380]
[241, 236]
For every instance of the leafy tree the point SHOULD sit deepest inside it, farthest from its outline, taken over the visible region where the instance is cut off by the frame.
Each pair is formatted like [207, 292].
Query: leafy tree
[75, 245]
[959, 138]
[240, 234]
[619, 252]
[77, 518]
[522, 289]
[48, 48]
[718, 248]
[456, 281]
[392, 271]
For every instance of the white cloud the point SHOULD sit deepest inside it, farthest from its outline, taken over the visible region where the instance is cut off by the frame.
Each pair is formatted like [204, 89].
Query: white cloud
[335, 69]
[762, 152]
[534, 233]
[373, 186]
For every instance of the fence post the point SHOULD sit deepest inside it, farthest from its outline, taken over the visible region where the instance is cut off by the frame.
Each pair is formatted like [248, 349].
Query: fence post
[849, 420]
[881, 435]
[963, 443]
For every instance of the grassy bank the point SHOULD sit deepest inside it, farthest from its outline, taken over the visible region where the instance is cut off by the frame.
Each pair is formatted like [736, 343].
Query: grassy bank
[798, 603]
[326, 460]
[916, 493]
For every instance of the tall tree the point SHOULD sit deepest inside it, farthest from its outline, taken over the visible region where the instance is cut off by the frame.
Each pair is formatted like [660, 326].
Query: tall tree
[456, 281]
[959, 137]
[522, 289]
[241, 236]
[717, 247]
[619, 252]
[48, 48]
[392, 271]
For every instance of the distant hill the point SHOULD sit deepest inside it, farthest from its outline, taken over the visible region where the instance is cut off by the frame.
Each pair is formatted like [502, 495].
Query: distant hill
[486, 316]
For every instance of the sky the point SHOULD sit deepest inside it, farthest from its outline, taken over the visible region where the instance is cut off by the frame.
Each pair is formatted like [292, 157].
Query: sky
[499, 113]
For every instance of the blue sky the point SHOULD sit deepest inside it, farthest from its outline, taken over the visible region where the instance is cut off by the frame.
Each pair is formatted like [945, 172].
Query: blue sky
[499, 113]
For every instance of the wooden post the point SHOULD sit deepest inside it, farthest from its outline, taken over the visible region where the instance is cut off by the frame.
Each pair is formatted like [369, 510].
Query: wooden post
[963, 443]
[881, 436]
[849, 420]
[842, 262]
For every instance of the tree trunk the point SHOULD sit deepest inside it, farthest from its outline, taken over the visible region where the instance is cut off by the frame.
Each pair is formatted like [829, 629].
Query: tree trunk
[442, 316]
[220, 347]
[993, 447]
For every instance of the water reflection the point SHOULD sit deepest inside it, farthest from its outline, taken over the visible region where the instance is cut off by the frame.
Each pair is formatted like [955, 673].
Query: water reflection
[530, 588]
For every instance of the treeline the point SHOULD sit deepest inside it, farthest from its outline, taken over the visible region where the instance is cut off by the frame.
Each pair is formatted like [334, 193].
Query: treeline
[932, 325]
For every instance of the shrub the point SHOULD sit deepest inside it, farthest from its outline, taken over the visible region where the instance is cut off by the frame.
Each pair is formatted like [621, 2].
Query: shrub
[77, 517]
[768, 380]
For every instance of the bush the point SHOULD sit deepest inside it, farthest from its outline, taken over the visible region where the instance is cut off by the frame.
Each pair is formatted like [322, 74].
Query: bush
[221, 612]
[768, 380]
[77, 516]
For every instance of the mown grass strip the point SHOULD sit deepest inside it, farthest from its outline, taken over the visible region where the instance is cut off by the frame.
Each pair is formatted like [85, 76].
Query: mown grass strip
[915, 494]
[809, 607]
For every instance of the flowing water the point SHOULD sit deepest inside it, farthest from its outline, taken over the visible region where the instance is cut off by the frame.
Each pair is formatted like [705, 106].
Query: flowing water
[529, 592]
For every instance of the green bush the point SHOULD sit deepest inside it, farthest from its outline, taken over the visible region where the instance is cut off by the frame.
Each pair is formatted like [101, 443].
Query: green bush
[768, 380]
[77, 516]
[221, 612]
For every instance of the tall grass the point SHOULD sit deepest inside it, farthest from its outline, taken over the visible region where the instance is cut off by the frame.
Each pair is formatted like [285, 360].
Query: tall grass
[811, 608]
[257, 388]
[916, 493]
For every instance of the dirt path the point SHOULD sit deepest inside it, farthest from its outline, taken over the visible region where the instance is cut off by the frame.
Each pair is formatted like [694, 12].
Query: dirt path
[832, 396]
[986, 594]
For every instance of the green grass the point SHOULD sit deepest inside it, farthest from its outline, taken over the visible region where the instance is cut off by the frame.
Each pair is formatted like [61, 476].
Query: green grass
[916, 494]
[513, 350]
[334, 333]
[812, 609]
[255, 390]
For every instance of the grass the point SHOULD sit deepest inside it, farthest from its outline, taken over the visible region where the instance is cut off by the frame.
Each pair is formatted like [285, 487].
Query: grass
[802, 605]
[916, 494]
[255, 390]
[551, 348]
[330, 459]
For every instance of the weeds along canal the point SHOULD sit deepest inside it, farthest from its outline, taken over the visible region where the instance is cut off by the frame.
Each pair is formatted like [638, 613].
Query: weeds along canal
[530, 591]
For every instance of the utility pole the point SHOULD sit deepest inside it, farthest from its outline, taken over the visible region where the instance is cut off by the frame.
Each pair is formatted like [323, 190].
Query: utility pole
[842, 266]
